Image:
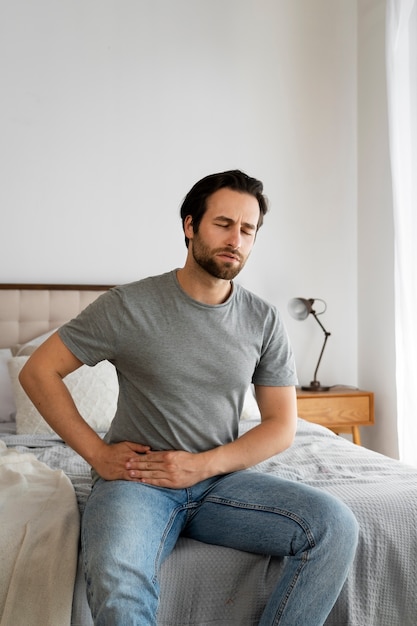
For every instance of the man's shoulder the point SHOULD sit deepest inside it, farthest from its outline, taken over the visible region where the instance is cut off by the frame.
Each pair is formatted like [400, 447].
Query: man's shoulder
[248, 298]
[149, 283]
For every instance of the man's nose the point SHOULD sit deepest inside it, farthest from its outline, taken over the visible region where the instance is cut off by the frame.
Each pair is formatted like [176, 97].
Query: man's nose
[234, 239]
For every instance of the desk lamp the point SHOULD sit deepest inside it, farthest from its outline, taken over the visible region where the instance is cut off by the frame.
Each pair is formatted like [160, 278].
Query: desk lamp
[300, 309]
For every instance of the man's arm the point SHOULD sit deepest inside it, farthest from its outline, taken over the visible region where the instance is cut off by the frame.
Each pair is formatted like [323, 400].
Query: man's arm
[42, 379]
[275, 433]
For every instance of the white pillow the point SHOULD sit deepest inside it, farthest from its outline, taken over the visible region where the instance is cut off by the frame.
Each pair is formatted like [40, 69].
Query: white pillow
[94, 390]
[250, 409]
[7, 404]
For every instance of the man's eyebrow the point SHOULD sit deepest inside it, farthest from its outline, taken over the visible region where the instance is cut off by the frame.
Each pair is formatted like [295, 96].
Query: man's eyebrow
[228, 220]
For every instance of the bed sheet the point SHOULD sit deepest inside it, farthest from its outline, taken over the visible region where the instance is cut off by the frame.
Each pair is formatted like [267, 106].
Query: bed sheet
[203, 584]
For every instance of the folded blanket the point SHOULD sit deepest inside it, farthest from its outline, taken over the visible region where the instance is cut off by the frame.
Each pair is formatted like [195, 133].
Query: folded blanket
[39, 532]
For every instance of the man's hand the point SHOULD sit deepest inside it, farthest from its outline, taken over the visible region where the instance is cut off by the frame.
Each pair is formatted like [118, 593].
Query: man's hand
[173, 469]
[111, 463]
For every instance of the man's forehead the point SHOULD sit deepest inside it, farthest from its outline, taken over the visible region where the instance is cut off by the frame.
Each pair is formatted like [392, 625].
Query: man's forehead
[227, 200]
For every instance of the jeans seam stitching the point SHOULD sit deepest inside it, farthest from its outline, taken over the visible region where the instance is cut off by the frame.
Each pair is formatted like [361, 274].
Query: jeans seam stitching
[164, 536]
[259, 507]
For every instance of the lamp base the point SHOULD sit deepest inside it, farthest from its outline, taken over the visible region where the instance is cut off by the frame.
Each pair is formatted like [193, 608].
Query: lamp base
[315, 386]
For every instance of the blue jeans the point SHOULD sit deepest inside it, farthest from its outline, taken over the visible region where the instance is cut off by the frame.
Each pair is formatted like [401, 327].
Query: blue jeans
[129, 528]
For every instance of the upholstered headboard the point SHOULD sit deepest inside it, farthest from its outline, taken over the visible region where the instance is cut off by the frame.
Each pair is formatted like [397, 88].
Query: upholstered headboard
[27, 311]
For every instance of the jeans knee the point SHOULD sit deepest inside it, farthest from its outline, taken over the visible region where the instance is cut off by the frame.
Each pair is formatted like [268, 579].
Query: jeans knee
[342, 528]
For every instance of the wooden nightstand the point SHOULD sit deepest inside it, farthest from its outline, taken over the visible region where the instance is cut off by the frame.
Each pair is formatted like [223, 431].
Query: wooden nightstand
[342, 409]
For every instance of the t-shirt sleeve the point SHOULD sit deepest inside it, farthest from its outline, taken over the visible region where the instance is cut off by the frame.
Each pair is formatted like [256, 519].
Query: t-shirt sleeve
[92, 336]
[276, 367]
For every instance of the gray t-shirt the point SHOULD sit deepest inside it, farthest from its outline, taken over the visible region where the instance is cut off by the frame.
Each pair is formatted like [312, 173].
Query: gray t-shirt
[183, 366]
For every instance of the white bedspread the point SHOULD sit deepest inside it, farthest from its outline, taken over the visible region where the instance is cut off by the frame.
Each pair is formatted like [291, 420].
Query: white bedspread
[39, 533]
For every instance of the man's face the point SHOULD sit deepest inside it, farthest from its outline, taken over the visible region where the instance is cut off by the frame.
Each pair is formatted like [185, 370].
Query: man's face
[226, 233]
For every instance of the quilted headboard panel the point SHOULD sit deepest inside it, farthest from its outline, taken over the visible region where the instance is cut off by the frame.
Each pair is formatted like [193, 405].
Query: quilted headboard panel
[27, 311]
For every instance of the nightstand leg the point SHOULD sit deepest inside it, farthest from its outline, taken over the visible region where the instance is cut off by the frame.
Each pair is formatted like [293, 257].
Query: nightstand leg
[356, 436]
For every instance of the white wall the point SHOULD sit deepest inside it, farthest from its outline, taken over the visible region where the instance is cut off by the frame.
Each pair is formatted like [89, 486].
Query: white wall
[376, 340]
[111, 110]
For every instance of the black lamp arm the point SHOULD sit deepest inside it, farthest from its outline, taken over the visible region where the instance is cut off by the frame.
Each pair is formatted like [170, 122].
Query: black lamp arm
[326, 336]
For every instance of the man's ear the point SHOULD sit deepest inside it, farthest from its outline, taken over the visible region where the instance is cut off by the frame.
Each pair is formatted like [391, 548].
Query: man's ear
[188, 227]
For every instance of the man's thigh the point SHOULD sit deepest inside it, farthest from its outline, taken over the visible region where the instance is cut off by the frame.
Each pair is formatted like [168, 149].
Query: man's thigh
[261, 513]
[126, 521]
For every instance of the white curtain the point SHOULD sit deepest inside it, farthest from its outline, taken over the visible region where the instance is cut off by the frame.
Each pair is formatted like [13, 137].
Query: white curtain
[401, 56]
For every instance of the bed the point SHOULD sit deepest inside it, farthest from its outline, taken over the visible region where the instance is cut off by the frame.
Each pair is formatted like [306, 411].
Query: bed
[41, 580]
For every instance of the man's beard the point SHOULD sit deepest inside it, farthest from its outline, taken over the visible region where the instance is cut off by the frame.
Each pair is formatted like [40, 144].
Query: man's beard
[206, 259]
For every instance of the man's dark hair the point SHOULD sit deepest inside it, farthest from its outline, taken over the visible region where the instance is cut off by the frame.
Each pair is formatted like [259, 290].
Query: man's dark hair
[194, 203]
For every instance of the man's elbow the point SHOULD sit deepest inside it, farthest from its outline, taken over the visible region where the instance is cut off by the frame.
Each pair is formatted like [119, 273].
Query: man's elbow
[27, 375]
[289, 437]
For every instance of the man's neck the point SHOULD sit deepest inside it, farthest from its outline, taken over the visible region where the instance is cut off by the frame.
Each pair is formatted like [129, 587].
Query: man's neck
[203, 287]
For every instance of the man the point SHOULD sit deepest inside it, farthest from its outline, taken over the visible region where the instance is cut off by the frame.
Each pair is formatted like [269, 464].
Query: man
[186, 345]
